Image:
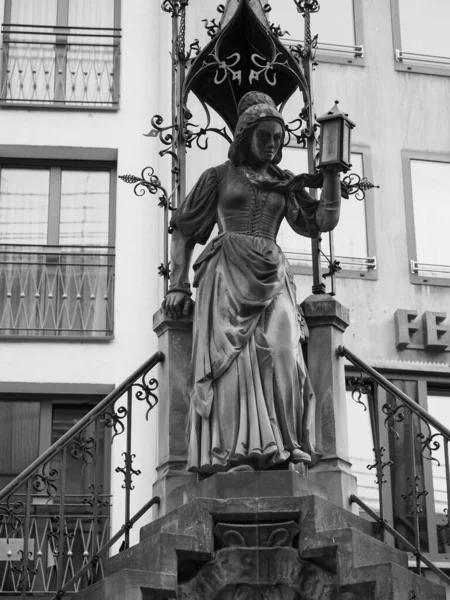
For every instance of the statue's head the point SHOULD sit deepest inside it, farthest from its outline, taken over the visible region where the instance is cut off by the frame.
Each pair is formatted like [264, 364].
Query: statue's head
[254, 108]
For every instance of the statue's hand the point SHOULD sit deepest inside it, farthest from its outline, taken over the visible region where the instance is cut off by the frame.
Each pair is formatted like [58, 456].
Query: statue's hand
[177, 304]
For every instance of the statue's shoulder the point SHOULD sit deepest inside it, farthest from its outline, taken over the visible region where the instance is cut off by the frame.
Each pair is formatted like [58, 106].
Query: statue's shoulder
[223, 170]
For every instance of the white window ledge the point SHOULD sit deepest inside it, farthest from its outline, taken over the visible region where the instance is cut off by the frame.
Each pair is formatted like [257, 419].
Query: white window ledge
[351, 266]
[430, 274]
[422, 63]
[340, 53]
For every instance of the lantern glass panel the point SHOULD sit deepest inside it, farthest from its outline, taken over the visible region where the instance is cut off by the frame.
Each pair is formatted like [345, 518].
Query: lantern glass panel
[330, 142]
[346, 144]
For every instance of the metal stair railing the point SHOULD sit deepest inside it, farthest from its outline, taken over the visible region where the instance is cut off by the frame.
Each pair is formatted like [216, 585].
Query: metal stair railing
[423, 435]
[48, 532]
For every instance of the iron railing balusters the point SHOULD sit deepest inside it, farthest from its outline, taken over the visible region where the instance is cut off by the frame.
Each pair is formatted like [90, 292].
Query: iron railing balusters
[58, 66]
[398, 536]
[26, 541]
[61, 521]
[128, 468]
[423, 434]
[56, 291]
[68, 529]
[95, 504]
[101, 551]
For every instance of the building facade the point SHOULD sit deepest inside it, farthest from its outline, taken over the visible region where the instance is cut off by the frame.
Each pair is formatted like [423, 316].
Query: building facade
[79, 252]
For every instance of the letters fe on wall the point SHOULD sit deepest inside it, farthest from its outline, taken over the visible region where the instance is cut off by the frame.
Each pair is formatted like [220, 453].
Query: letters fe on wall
[429, 332]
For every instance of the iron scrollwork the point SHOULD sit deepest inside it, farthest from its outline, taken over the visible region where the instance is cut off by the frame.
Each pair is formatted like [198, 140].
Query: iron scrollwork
[276, 30]
[31, 573]
[394, 414]
[174, 7]
[44, 481]
[334, 266]
[10, 516]
[415, 494]
[145, 392]
[429, 444]
[164, 270]
[192, 136]
[380, 465]
[84, 447]
[114, 420]
[310, 6]
[445, 527]
[358, 186]
[128, 471]
[149, 181]
[96, 497]
[168, 135]
[212, 28]
[54, 536]
[360, 387]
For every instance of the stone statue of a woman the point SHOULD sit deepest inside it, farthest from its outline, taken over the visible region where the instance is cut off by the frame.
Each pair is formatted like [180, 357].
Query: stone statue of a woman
[252, 406]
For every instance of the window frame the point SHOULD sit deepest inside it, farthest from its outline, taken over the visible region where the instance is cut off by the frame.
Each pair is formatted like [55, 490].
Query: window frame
[428, 67]
[56, 158]
[361, 274]
[407, 156]
[325, 55]
[50, 394]
[61, 157]
[62, 16]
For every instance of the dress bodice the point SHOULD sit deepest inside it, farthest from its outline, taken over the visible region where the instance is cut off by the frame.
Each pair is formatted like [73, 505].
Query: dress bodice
[225, 196]
[242, 207]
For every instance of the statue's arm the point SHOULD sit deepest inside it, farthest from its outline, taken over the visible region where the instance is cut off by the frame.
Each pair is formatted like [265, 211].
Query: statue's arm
[329, 206]
[178, 299]
[181, 249]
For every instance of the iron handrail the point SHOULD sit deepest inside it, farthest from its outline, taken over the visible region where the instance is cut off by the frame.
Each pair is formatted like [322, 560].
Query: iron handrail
[344, 352]
[116, 537]
[398, 536]
[88, 419]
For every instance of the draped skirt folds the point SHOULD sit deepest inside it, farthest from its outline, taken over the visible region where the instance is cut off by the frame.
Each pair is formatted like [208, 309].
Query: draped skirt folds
[251, 399]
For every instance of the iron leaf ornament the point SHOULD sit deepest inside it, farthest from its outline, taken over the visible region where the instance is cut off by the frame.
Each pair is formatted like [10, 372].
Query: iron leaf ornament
[304, 6]
[174, 7]
[358, 186]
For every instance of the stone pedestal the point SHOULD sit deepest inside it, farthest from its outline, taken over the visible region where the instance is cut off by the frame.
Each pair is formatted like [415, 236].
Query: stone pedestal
[175, 341]
[327, 320]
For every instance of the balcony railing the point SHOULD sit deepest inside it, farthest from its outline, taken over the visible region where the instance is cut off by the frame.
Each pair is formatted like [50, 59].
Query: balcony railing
[56, 291]
[60, 66]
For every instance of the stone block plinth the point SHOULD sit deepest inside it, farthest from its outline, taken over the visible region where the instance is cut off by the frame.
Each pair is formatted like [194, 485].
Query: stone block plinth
[175, 341]
[327, 320]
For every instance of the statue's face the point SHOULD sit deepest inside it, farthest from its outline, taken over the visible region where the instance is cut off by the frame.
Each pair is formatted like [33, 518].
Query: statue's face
[265, 142]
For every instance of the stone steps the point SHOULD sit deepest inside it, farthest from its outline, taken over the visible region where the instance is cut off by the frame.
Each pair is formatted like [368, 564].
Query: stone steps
[311, 548]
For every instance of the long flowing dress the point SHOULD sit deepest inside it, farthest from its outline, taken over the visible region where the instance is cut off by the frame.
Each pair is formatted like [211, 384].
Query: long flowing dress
[250, 400]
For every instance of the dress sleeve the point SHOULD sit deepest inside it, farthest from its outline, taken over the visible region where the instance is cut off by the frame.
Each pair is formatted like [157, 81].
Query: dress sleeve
[196, 217]
[301, 211]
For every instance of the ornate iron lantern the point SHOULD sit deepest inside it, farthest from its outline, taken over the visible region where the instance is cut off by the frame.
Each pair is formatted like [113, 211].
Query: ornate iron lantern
[335, 136]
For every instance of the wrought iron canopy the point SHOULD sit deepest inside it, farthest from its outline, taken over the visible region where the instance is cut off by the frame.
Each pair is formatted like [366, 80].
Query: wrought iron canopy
[245, 55]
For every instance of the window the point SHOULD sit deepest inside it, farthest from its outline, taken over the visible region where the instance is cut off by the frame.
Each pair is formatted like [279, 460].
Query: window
[426, 179]
[353, 241]
[29, 425]
[61, 53]
[361, 454]
[57, 243]
[338, 24]
[41, 422]
[421, 40]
